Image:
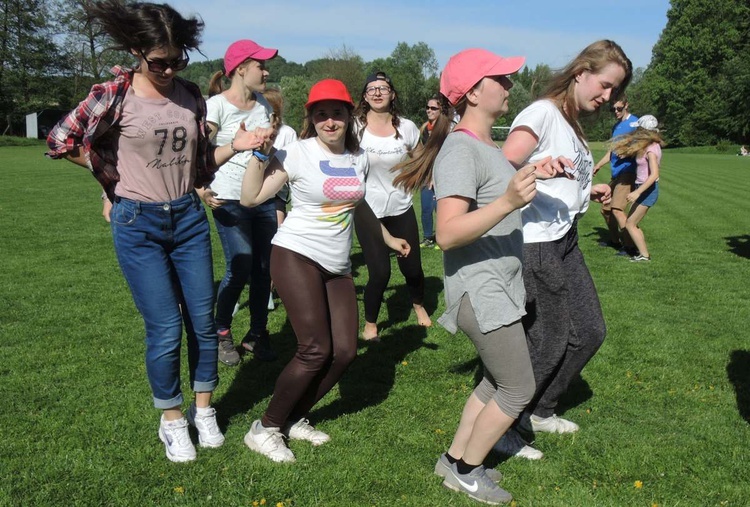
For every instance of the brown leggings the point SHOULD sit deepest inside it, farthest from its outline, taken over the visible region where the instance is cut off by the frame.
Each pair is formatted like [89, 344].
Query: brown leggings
[322, 308]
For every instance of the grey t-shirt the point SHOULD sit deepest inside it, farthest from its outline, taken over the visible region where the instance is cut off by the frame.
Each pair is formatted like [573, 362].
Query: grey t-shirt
[489, 269]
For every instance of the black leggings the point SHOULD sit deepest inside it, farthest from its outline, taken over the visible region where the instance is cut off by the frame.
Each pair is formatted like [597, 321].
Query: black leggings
[377, 258]
[322, 308]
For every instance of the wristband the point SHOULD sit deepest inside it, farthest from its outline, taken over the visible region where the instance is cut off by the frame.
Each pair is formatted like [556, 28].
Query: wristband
[234, 150]
[260, 155]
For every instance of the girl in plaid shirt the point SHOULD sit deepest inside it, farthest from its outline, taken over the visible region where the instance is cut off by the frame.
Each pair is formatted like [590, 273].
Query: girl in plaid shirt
[143, 136]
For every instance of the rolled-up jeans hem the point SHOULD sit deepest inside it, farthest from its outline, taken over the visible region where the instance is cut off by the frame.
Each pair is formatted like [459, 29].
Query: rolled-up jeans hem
[165, 404]
[205, 387]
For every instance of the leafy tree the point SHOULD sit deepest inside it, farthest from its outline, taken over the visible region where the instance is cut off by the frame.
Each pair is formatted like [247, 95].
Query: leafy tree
[295, 90]
[343, 64]
[694, 65]
[28, 56]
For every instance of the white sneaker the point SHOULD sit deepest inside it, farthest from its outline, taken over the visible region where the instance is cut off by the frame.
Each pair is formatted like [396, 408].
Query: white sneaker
[269, 442]
[236, 309]
[271, 306]
[176, 439]
[553, 424]
[209, 434]
[303, 430]
[512, 444]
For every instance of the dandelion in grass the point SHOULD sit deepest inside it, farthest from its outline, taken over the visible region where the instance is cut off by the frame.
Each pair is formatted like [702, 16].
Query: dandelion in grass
[439, 431]
[279, 504]
[256, 503]
[179, 490]
[263, 501]
[638, 484]
[404, 363]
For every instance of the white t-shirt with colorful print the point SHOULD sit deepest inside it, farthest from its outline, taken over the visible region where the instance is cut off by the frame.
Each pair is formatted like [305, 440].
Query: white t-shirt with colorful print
[325, 190]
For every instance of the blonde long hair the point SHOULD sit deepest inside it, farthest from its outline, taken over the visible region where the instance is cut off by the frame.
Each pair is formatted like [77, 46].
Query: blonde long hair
[634, 144]
[592, 59]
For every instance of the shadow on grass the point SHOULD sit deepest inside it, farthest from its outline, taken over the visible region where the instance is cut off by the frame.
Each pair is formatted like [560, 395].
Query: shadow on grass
[738, 373]
[369, 380]
[739, 245]
[600, 234]
[255, 380]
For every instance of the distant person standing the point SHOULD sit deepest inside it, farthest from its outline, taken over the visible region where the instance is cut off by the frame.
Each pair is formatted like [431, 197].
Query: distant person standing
[644, 145]
[387, 138]
[285, 135]
[427, 193]
[621, 184]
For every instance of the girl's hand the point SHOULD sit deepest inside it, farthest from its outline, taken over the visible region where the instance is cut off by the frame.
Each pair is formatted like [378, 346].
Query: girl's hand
[601, 193]
[522, 187]
[633, 196]
[550, 167]
[209, 197]
[398, 245]
[247, 141]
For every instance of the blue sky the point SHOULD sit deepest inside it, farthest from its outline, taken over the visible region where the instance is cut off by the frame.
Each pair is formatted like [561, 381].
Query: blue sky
[545, 31]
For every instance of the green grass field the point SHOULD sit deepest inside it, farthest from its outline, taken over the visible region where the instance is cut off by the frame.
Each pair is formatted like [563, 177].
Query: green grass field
[664, 406]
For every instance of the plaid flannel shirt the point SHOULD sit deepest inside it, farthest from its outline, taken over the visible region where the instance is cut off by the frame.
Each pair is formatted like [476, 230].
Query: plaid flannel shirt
[92, 127]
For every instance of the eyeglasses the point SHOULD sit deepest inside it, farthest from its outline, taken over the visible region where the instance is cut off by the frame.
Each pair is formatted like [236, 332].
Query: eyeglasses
[616, 109]
[372, 90]
[160, 66]
[433, 108]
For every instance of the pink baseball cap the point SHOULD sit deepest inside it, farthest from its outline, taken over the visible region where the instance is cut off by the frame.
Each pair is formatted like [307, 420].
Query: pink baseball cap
[328, 89]
[468, 67]
[241, 50]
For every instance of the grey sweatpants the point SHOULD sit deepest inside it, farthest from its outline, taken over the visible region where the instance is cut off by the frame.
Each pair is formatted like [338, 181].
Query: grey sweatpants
[564, 323]
[508, 378]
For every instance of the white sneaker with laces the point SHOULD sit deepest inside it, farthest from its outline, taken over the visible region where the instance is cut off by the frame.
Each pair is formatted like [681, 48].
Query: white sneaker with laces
[269, 442]
[209, 434]
[176, 439]
[553, 424]
[512, 444]
[303, 430]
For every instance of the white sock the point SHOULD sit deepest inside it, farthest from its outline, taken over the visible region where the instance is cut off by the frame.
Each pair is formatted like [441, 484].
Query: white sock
[202, 411]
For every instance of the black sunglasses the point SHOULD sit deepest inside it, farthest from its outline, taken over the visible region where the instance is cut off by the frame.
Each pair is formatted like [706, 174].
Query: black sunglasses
[616, 109]
[433, 108]
[160, 66]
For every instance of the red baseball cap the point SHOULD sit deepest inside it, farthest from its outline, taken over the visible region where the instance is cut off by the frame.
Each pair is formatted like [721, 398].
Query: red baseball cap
[241, 50]
[468, 67]
[328, 89]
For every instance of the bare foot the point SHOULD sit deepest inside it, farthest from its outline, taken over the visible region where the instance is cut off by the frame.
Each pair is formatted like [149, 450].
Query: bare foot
[370, 332]
[422, 318]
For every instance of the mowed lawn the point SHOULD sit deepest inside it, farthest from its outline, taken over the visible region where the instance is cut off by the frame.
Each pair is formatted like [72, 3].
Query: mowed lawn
[663, 407]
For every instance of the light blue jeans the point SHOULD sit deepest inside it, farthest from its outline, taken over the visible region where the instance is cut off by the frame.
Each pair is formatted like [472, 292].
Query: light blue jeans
[164, 251]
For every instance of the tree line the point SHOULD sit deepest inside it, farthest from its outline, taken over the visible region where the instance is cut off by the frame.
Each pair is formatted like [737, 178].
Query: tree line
[697, 83]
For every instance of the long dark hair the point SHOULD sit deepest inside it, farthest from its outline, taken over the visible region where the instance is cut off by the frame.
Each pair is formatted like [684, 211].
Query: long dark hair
[144, 26]
[351, 141]
[360, 112]
[416, 171]
[592, 59]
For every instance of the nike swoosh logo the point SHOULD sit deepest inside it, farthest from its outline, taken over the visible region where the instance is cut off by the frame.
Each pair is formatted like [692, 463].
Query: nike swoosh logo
[472, 488]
